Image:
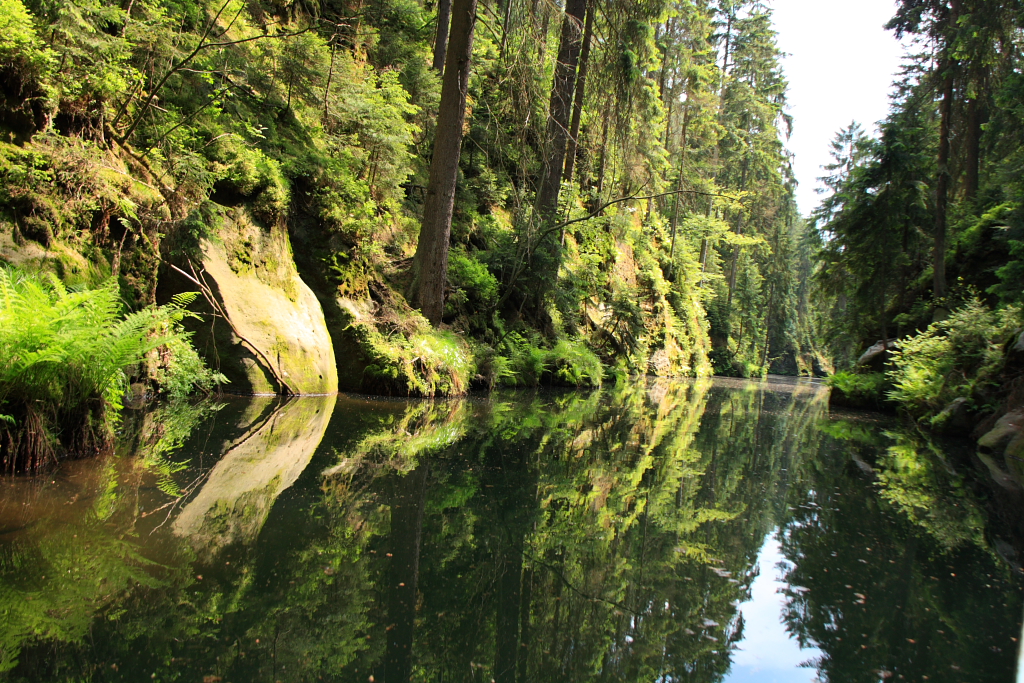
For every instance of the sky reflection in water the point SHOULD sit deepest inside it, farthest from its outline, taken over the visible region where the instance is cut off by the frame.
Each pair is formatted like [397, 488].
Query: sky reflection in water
[767, 653]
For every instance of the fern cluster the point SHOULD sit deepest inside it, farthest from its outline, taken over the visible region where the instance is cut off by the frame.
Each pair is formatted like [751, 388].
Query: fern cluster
[957, 357]
[65, 362]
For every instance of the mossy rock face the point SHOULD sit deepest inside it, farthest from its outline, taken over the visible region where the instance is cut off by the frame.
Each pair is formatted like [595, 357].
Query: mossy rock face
[341, 313]
[69, 265]
[1006, 429]
[240, 492]
[1014, 458]
[253, 275]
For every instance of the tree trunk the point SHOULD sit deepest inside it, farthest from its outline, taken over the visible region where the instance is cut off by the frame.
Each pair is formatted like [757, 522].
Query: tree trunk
[444, 13]
[942, 185]
[561, 106]
[581, 82]
[430, 265]
[506, 25]
[406, 536]
[946, 65]
[728, 45]
[974, 119]
[736, 248]
[679, 183]
[602, 165]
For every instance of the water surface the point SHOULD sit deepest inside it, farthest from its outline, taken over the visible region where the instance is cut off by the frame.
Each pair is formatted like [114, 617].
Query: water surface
[660, 531]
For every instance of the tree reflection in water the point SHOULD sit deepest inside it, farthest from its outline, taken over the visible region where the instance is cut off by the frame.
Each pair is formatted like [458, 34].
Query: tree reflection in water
[608, 536]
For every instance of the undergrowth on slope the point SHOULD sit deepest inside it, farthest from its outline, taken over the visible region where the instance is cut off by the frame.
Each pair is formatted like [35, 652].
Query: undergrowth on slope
[958, 357]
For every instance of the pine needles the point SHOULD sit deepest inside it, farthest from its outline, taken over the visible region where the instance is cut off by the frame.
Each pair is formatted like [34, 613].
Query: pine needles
[65, 358]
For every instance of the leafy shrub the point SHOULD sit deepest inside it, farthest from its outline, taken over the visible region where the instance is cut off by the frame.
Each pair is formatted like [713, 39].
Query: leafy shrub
[25, 64]
[250, 174]
[568, 363]
[179, 371]
[1011, 276]
[858, 390]
[527, 362]
[951, 359]
[492, 368]
[727, 363]
[64, 362]
[472, 281]
[427, 362]
[572, 363]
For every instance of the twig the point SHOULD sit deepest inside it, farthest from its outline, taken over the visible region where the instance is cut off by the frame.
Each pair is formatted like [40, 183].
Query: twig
[207, 293]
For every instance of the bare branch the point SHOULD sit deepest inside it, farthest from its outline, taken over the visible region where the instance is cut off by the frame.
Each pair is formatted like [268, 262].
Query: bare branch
[207, 293]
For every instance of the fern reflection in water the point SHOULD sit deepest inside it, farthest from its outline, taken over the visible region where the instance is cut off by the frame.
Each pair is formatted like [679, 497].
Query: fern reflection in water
[532, 536]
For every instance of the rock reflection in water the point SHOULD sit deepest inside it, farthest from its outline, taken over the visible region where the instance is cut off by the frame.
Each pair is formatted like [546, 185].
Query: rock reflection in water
[276, 445]
[608, 536]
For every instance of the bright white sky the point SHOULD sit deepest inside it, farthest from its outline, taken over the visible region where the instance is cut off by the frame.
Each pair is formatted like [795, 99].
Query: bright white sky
[840, 65]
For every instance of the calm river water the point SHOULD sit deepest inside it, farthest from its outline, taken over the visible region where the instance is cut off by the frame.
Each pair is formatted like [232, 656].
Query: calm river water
[661, 531]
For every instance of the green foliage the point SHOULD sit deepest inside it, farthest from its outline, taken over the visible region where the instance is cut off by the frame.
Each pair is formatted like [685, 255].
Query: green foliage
[867, 390]
[65, 358]
[297, 113]
[178, 370]
[527, 363]
[250, 174]
[20, 46]
[472, 281]
[569, 362]
[573, 364]
[951, 359]
[26, 65]
[425, 363]
[879, 219]
[1011, 275]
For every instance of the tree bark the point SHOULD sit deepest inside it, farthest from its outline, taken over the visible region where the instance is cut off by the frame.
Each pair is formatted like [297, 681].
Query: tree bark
[403, 573]
[506, 25]
[734, 266]
[946, 65]
[942, 185]
[602, 165]
[974, 120]
[430, 265]
[444, 13]
[561, 106]
[581, 83]
[679, 183]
